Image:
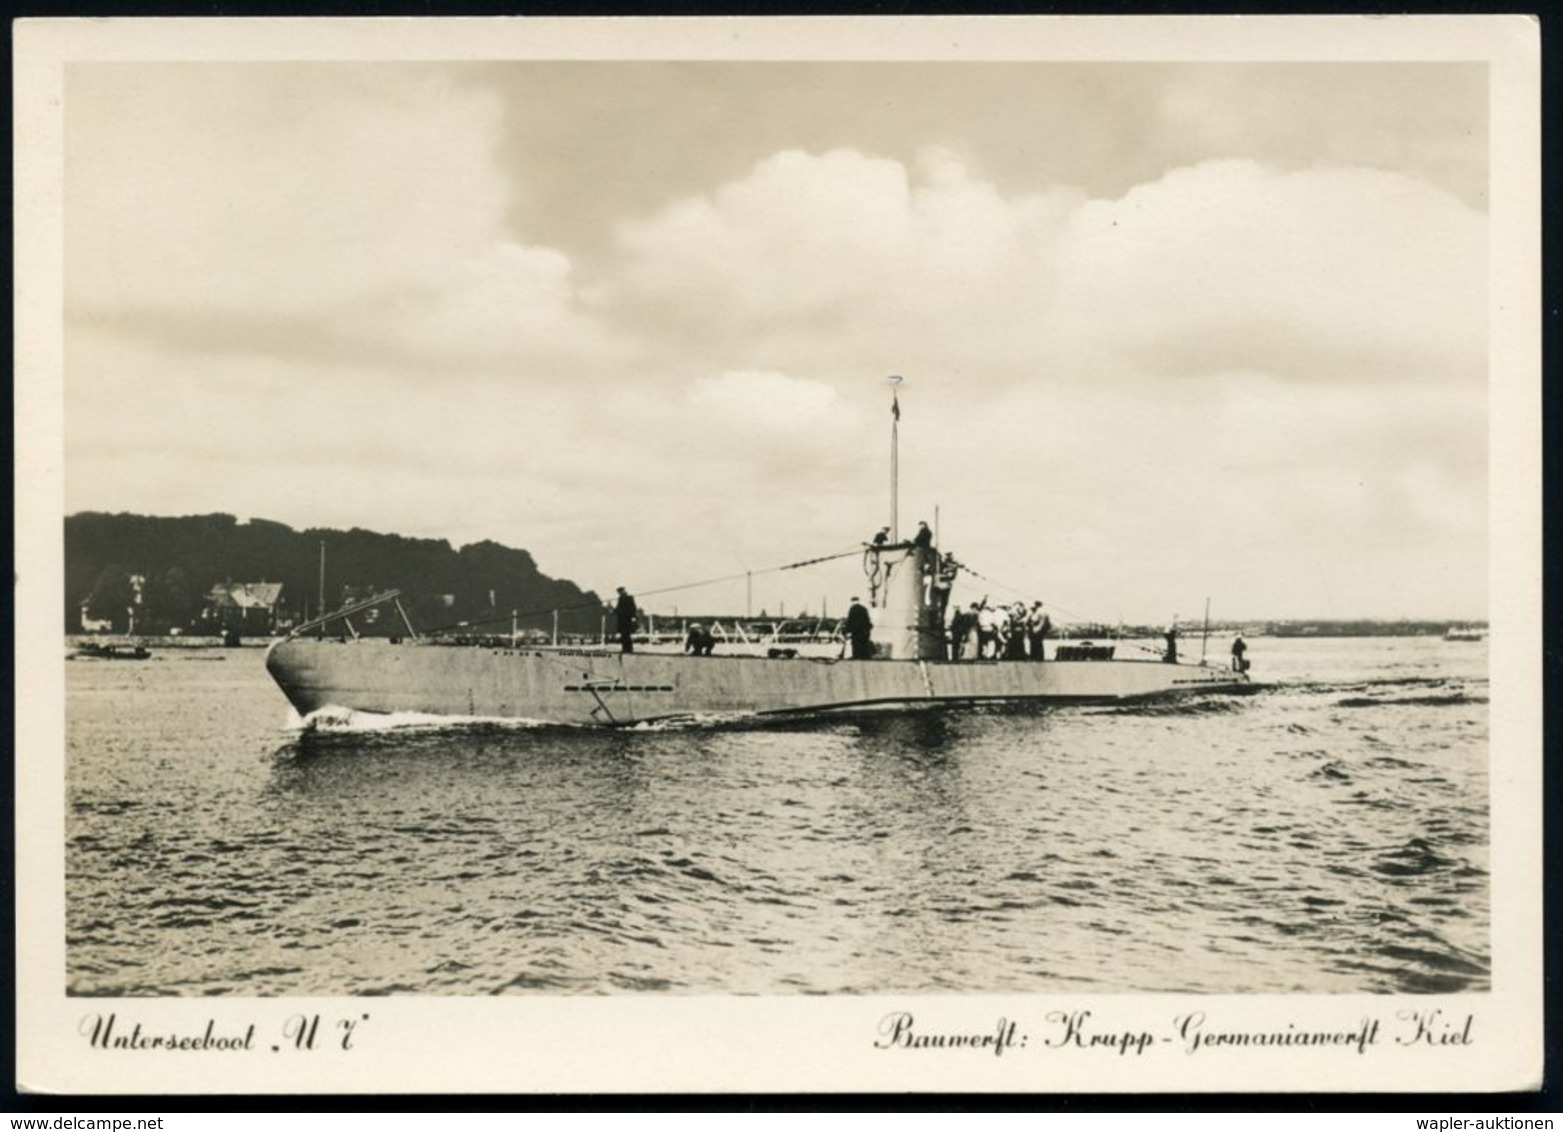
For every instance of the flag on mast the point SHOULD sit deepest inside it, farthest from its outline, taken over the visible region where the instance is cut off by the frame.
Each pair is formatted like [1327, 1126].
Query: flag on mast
[895, 396]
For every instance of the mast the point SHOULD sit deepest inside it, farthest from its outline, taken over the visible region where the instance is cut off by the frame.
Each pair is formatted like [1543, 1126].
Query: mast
[322, 585]
[895, 445]
[906, 624]
[1205, 636]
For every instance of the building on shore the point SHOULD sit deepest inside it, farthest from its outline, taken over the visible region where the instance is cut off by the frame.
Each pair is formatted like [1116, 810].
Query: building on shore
[244, 607]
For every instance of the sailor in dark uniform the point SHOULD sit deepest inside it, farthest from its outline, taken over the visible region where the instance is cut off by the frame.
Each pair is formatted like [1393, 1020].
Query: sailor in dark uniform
[924, 536]
[700, 642]
[1239, 647]
[1015, 646]
[1038, 626]
[962, 626]
[627, 617]
[859, 626]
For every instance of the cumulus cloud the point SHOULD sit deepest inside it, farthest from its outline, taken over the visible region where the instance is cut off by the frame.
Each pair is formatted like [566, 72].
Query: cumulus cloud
[359, 208]
[754, 248]
[843, 260]
[1321, 274]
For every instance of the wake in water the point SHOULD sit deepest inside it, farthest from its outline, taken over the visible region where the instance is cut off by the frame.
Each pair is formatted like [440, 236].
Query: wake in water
[1393, 691]
[333, 720]
[1207, 704]
[340, 720]
[1384, 684]
[1453, 698]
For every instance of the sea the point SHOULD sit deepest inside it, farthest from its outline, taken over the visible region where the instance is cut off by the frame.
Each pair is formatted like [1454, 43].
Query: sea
[1326, 834]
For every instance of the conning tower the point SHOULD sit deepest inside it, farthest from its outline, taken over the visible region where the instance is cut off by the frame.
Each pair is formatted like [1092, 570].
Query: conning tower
[908, 624]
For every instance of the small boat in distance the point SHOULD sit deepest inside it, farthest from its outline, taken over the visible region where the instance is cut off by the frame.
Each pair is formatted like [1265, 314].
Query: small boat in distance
[1465, 633]
[110, 650]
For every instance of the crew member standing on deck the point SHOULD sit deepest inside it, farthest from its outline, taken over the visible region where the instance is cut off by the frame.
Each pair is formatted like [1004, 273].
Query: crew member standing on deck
[962, 624]
[987, 630]
[1171, 635]
[1239, 647]
[1001, 628]
[973, 647]
[628, 618]
[1015, 646]
[924, 536]
[1038, 626]
[859, 626]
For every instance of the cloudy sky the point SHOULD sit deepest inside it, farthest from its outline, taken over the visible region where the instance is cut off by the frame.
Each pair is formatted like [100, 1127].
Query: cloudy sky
[1167, 330]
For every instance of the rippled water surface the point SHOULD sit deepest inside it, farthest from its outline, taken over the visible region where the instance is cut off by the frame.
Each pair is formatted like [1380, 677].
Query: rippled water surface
[1328, 835]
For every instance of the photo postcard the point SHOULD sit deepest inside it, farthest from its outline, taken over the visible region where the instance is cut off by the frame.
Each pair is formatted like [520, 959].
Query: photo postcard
[866, 555]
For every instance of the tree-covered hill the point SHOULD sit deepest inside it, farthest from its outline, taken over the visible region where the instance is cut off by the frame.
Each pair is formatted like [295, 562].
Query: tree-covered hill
[175, 563]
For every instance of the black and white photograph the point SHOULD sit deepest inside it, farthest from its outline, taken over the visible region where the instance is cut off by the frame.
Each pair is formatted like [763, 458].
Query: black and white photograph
[801, 555]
